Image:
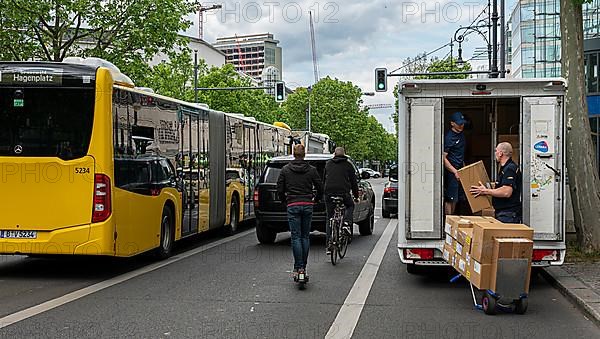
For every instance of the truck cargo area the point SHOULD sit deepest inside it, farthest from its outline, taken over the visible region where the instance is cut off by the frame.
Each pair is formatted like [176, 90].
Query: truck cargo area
[489, 121]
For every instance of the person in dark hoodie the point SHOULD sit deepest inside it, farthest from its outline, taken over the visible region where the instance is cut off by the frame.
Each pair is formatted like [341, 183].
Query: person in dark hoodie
[295, 184]
[340, 179]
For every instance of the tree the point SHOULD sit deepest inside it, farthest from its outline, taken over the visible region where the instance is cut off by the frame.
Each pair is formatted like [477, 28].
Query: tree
[420, 64]
[126, 32]
[446, 65]
[175, 78]
[336, 111]
[584, 183]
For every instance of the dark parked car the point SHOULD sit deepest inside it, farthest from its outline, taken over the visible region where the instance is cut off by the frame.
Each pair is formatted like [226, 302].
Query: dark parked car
[390, 194]
[271, 214]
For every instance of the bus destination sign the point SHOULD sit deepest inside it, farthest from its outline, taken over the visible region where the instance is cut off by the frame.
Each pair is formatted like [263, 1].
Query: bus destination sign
[31, 76]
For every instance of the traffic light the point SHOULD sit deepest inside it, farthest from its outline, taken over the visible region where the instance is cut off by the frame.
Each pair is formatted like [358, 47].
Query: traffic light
[380, 79]
[279, 91]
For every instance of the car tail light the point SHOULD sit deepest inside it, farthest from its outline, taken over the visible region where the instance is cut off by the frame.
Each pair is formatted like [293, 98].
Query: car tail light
[418, 253]
[389, 190]
[102, 208]
[541, 255]
[256, 196]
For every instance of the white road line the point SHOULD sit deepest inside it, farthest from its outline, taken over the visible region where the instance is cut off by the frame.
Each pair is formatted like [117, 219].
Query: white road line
[345, 322]
[67, 298]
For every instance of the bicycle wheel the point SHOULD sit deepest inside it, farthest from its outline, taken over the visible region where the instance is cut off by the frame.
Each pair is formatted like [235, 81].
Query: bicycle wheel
[334, 241]
[343, 247]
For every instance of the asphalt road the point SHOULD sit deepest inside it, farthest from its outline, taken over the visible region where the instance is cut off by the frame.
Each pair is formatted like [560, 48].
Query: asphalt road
[218, 287]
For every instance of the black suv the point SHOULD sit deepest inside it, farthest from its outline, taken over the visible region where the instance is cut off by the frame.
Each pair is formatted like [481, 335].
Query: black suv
[389, 201]
[271, 212]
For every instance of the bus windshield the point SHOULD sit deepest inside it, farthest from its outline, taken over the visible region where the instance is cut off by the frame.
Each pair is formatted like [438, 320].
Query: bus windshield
[46, 121]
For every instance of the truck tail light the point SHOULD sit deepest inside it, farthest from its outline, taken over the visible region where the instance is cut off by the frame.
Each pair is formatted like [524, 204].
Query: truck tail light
[543, 255]
[418, 253]
[102, 200]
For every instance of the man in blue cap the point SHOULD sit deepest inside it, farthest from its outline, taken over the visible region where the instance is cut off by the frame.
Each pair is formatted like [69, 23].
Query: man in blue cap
[454, 159]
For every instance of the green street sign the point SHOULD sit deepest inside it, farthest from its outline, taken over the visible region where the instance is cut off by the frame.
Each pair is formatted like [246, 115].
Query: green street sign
[18, 103]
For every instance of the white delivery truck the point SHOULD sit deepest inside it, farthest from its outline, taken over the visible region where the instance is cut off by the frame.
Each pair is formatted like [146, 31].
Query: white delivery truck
[527, 112]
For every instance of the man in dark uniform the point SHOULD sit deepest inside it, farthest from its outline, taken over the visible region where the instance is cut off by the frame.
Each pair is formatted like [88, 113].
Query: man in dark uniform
[506, 196]
[454, 159]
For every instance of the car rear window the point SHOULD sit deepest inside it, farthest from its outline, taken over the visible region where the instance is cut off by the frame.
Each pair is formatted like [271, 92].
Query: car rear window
[394, 173]
[273, 169]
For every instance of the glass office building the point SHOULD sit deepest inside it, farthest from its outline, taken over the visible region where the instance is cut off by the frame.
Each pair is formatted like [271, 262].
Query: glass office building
[535, 43]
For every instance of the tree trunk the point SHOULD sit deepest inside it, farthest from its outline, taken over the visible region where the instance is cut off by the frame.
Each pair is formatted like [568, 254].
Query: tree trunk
[583, 176]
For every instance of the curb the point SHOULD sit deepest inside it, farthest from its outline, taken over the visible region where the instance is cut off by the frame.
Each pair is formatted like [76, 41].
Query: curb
[576, 291]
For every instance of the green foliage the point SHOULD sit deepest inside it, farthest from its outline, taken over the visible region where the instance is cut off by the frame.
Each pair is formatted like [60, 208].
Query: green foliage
[336, 111]
[126, 32]
[175, 78]
[446, 65]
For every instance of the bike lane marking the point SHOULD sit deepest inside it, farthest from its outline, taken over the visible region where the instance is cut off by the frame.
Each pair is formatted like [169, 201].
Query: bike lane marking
[75, 295]
[345, 322]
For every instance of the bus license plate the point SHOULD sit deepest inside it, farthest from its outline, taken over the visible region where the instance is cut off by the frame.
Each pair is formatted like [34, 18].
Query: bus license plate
[18, 234]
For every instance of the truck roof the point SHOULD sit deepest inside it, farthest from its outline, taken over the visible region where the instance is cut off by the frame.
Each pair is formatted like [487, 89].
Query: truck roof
[482, 88]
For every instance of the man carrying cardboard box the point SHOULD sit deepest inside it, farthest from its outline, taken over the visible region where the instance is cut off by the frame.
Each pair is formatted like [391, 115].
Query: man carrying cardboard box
[506, 196]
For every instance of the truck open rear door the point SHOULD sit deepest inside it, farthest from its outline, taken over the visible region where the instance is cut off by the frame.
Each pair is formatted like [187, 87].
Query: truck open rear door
[420, 132]
[543, 167]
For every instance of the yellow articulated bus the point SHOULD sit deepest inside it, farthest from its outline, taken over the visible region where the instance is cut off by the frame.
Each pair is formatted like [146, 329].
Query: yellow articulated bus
[90, 165]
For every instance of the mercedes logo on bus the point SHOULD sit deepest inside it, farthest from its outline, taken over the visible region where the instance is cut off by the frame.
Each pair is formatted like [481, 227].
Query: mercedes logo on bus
[18, 149]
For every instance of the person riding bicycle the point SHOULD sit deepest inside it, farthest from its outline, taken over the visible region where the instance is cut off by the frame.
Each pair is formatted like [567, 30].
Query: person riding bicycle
[339, 180]
[295, 185]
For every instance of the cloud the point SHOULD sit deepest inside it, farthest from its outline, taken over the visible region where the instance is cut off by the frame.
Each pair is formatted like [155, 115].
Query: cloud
[352, 37]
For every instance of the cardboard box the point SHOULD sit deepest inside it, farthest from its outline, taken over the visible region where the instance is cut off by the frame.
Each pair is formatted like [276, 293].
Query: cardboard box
[512, 248]
[482, 243]
[461, 265]
[454, 222]
[480, 275]
[465, 234]
[487, 212]
[514, 141]
[473, 175]
[448, 254]
[461, 249]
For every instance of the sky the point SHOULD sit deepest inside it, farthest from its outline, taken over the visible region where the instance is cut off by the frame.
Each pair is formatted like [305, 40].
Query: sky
[352, 37]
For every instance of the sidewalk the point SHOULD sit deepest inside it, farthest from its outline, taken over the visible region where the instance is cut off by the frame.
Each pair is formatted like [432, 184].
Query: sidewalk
[580, 282]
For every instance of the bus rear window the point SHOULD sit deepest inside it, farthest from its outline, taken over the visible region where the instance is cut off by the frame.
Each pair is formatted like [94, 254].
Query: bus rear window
[46, 122]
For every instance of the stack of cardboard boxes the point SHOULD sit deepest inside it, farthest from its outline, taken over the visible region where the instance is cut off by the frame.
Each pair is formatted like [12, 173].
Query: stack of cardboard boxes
[474, 246]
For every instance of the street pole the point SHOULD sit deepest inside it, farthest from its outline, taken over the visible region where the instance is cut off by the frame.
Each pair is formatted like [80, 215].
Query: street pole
[196, 76]
[494, 73]
[309, 89]
[502, 40]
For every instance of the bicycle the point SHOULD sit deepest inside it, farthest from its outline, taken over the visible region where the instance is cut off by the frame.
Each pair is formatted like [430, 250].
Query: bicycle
[339, 239]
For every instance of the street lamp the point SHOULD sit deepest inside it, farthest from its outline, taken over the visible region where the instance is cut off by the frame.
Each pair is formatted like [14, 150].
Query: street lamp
[462, 32]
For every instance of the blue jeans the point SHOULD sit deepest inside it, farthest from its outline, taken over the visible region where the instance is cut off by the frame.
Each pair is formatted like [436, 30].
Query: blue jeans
[299, 220]
[509, 217]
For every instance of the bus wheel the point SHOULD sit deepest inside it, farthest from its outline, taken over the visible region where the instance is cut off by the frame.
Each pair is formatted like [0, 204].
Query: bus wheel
[234, 217]
[167, 236]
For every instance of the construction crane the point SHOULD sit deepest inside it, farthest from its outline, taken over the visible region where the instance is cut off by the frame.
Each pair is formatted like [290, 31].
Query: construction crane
[314, 48]
[201, 11]
[241, 63]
